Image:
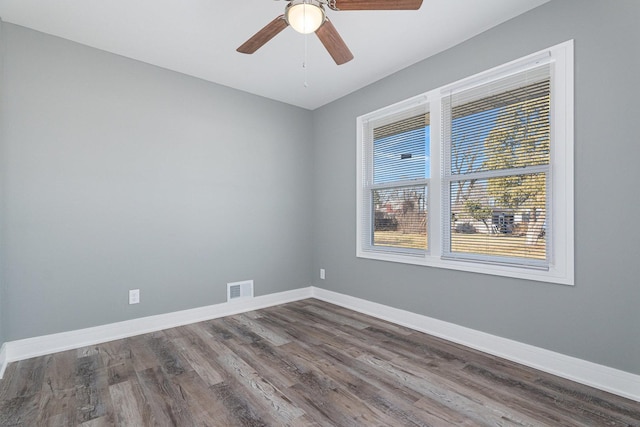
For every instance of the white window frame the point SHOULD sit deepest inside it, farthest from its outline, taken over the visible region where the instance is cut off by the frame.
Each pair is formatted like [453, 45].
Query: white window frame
[367, 184]
[561, 262]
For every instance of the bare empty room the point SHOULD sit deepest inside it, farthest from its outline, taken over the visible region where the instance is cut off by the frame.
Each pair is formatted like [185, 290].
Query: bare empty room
[311, 212]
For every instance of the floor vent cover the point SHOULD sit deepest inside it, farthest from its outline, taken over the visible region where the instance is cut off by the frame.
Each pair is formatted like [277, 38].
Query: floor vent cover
[239, 290]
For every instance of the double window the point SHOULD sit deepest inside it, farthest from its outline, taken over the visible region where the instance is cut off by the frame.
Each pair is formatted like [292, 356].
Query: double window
[475, 176]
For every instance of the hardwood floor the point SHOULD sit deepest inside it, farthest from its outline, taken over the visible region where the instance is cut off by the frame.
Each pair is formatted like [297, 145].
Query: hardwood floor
[306, 363]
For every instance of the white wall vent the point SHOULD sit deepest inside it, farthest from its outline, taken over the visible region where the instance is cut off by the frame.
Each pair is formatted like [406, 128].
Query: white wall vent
[239, 290]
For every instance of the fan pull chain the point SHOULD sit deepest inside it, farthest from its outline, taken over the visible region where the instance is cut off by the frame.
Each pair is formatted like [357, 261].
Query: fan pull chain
[304, 62]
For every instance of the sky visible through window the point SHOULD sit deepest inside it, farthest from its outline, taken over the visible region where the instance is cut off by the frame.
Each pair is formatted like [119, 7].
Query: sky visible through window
[402, 157]
[406, 156]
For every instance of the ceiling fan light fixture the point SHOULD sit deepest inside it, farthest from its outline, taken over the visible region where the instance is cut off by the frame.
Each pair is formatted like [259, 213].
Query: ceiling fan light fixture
[305, 16]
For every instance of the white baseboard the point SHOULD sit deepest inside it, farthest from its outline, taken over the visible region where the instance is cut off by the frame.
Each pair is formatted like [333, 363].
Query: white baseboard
[3, 359]
[602, 377]
[592, 374]
[13, 351]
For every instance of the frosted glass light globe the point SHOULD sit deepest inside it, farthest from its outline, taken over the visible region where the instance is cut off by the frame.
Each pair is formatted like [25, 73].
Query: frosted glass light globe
[305, 16]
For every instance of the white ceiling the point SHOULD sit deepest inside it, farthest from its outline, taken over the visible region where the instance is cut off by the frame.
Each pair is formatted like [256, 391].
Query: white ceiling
[199, 38]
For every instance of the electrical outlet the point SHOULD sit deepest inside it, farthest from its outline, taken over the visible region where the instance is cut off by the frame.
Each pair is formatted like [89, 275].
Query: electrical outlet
[134, 296]
[322, 273]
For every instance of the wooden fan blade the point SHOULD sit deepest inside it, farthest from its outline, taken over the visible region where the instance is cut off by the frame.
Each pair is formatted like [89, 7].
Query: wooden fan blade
[377, 4]
[260, 38]
[334, 44]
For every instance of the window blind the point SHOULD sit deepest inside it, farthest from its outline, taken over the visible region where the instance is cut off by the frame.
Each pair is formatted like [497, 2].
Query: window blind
[496, 151]
[396, 172]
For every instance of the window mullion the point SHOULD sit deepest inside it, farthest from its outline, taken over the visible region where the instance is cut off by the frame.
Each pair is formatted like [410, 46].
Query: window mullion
[497, 173]
[399, 184]
[434, 226]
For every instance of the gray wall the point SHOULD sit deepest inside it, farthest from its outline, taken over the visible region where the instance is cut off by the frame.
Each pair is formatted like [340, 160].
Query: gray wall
[2, 181]
[121, 175]
[598, 319]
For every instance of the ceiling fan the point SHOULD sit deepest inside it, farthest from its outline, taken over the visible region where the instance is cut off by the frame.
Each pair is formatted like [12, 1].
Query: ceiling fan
[308, 16]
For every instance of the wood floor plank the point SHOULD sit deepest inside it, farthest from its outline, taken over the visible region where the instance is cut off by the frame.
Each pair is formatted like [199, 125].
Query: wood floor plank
[464, 402]
[199, 358]
[166, 402]
[58, 404]
[59, 371]
[446, 364]
[305, 363]
[257, 328]
[334, 317]
[244, 412]
[443, 363]
[28, 378]
[315, 392]
[56, 420]
[266, 356]
[440, 409]
[19, 410]
[252, 400]
[262, 389]
[301, 327]
[127, 412]
[534, 399]
[368, 320]
[326, 358]
[91, 393]
[141, 354]
[98, 422]
[169, 357]
[391, 401]
[517, 385]
[199, 398]
[57, 398]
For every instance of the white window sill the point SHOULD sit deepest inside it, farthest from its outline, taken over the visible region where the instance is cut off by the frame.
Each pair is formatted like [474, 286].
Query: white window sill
[553, 275]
